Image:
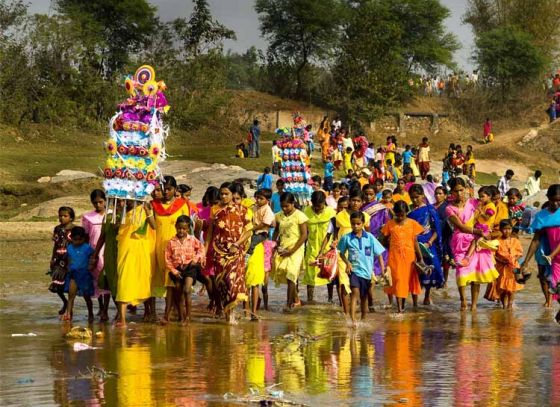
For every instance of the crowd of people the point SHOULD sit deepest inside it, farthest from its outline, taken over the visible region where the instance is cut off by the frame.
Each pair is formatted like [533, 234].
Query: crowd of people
[388, 222]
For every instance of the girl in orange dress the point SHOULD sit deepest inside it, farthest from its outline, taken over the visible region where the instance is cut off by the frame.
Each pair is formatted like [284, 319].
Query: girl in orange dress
[400, 233]
[507, 256]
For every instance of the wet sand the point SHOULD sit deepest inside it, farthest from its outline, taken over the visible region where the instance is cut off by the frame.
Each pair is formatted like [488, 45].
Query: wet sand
[433, 355]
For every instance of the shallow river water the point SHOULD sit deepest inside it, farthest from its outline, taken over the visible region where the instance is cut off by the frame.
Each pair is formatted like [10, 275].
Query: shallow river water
[434, 356]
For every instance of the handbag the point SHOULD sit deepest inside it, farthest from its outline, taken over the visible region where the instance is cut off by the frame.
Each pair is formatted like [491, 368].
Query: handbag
[328, 265]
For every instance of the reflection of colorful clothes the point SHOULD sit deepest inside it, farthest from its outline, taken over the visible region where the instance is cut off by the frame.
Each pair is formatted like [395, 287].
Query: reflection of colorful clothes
[428, 218]
[481, 269]
[230, 222]
[548, 223]
[379, 215]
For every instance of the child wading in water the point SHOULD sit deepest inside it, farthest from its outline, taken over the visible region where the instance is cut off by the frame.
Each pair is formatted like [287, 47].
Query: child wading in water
[401, 233]
[358, 250]
[507, 257]
[291, 234]
[59, 259]
[81, 278]
[184, 257]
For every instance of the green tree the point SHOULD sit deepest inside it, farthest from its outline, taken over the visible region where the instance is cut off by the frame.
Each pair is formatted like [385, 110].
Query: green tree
[508, 57]
[201, 33]
[385, 42]
[538, 18]
[117, 27]
[244, 70]
[300, 32]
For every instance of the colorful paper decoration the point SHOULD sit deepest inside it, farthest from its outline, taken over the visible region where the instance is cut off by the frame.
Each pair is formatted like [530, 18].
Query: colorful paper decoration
[136, 144]
[295, 169]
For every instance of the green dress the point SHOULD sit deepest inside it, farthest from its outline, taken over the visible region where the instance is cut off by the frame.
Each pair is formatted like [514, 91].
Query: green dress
[317, 228]
[108, 278]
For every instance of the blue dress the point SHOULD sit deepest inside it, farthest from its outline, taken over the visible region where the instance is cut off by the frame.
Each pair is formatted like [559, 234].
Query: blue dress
[78, 257]
[428, 218]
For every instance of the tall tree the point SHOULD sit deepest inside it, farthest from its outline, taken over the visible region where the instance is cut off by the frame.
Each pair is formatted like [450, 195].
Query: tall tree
[118, 27]
[201, 33]
[384, 42]
[508, 57]
[538, 18]
[300, 32]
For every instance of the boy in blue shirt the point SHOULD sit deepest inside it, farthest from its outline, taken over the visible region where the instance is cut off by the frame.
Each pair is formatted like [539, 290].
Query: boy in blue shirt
[328, 174]
[407, 156]
[275, 199]
[358, 250]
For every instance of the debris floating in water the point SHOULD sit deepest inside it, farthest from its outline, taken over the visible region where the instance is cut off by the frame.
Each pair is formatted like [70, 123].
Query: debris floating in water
[79, 346]
[97, 373]
[23, 335]
[79, 332]
[270, 398]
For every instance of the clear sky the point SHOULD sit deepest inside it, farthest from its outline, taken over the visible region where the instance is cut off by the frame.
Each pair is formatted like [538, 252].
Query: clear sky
[240, 16]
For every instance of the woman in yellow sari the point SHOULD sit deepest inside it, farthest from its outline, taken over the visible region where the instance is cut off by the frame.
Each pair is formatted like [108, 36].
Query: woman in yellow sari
[134, 266]
[166, 211]
[324, 137]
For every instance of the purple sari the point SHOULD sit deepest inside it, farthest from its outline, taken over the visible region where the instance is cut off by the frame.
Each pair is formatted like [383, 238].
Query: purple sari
[379, 216]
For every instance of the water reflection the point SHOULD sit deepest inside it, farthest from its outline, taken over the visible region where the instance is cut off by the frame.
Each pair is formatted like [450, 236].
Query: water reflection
[492, 358]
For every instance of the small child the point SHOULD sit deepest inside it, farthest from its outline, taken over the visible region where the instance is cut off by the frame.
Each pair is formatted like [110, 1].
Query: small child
[275, 199]
[263, 218]
[484, 218]
[507, 260]
[184, 257]
[81, 278]
[276, 158]
[265, 179]
[515, 208]
[387, 199]
[348, 159]
[240, 151]
[342, 204]
[184, 191]
[328, 174]
[390, 172]
[407, 157]
[358, 250]
[378, 186]
[59, 258]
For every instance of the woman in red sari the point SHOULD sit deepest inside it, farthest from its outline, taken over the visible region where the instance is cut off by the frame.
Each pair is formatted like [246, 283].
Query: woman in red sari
[229, 232]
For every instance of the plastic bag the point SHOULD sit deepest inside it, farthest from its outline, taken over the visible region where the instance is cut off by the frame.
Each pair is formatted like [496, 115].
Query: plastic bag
[328, 265]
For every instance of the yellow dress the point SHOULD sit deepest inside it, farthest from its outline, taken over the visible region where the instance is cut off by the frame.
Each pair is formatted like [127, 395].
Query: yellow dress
[134, 266]
[414, 168]
[344, 227]
[254, 275]
[165, 230]
[288, 268]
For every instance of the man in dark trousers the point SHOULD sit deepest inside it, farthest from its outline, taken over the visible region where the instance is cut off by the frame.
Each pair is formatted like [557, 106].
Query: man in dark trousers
[256, 133]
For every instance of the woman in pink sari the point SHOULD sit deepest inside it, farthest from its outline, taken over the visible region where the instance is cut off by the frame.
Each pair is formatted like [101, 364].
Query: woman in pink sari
[481, 269]
[92, 222]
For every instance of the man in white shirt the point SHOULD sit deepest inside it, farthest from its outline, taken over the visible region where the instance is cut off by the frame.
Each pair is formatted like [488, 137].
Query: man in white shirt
[533, 184]
[503, 183]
